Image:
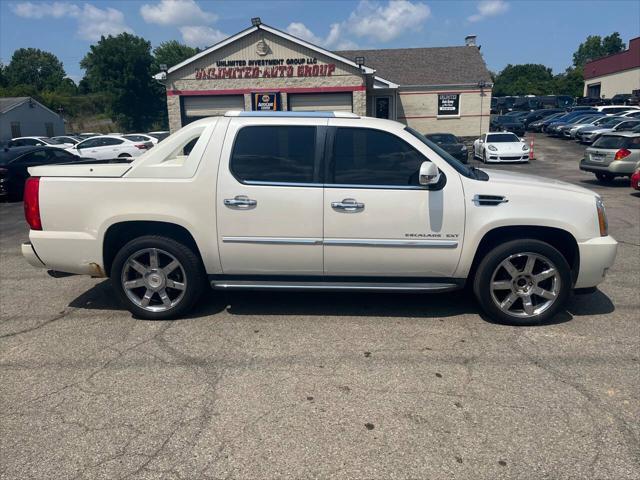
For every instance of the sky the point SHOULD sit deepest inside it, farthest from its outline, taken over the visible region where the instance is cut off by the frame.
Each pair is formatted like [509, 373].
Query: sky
[509, 32]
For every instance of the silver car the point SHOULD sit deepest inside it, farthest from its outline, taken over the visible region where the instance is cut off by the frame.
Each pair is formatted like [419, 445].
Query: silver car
[612, 155]
[573, 129]
[615, 124]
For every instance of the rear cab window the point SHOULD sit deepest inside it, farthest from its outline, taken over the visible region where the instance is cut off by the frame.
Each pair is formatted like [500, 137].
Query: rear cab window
[615, 142]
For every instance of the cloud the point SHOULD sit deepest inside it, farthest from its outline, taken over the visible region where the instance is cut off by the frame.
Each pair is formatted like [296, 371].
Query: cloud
[372, 20]
[201, 36]
[176, 12]
[93, 22]
[386, 23]
[489, 8]
[42, 10]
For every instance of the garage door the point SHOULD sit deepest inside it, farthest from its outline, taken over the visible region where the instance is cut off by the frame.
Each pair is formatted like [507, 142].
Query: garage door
[340, 102]
[212, 106]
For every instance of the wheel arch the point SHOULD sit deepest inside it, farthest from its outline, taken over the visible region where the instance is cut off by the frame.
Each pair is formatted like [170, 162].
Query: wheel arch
[560, 239]
[119, 234]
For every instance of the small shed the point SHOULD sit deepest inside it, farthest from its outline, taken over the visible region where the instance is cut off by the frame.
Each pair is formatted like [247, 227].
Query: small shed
[26, 117]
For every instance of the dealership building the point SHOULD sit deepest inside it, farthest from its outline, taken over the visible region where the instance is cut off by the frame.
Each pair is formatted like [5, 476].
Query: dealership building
[446, 89]
[614, 74]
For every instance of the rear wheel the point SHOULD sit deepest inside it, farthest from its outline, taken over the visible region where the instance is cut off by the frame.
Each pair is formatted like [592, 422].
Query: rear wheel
[522, 282]
[157, 278]
[604, 177]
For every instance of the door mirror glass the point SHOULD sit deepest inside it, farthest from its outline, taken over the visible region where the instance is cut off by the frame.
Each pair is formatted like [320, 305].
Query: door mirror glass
[429, 174]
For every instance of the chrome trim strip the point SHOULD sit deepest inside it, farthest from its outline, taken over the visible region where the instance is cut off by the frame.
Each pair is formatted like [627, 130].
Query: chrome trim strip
[333, 185]
[393, 287]
[281, 184]
[344, 242]
[379, 187]
[368, 242]
[274, 240]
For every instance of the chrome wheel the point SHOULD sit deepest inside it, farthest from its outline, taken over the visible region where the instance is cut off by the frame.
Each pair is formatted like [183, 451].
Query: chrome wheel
[154, 280]
[525, 285]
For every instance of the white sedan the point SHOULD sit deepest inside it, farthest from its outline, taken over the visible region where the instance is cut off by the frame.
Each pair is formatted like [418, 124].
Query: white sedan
[37, 142]
[498, 147]
[108, 147]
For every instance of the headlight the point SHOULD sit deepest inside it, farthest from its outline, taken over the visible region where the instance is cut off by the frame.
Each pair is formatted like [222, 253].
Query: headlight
[602, 217]
[525, 147]
[492, 148]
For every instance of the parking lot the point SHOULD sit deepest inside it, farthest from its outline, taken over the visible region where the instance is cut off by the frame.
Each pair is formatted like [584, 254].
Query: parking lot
[322, 385]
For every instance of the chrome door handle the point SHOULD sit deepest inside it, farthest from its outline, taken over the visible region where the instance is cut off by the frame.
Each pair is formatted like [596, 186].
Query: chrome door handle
[348, 205]
[240, 201]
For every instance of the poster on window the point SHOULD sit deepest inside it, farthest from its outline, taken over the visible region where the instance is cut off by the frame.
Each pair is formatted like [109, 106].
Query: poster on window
[266, 101]
[448, 104]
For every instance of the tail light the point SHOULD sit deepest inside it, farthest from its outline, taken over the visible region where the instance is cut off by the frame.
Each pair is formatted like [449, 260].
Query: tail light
[141, 146]
[32, 203]
[622, 153]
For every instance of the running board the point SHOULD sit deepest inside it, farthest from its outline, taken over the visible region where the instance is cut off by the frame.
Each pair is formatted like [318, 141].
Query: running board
[333, 286]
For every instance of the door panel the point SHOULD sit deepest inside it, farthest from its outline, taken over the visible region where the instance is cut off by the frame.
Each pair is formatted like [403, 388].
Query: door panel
[398, 230]
[397, 233]
[269, 199]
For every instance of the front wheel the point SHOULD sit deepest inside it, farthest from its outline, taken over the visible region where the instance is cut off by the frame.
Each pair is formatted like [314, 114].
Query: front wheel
[522, 282]
[157, 278]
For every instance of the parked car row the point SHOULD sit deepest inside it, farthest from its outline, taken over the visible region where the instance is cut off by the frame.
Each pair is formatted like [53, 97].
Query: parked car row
[15, 161]
[24, 152]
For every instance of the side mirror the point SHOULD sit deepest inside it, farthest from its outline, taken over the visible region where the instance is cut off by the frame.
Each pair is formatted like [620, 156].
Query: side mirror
[429, 174]
[480, 140]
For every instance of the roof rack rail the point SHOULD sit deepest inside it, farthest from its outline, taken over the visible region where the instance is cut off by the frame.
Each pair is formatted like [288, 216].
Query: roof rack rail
[307, 114]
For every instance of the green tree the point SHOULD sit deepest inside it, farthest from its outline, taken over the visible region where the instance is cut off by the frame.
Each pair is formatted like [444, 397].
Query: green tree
[571, 82]
[527, 79]
[595, 47]
[34, 67]
[172, 53]
[3, 77]
[121, 68]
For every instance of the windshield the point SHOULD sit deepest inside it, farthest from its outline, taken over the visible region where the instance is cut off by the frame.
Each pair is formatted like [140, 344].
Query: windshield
[54, 141]
[611, 122]
[460, 167]
[616, 142]
[442, 138]
[502, 138]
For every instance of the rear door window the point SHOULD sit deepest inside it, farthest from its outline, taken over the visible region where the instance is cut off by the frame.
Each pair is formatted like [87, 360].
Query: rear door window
[275, 154]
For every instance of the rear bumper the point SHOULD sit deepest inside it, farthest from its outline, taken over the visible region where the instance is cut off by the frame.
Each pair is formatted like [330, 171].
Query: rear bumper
[596, 257]
[617, 167]
[31, 256]
[71, 252]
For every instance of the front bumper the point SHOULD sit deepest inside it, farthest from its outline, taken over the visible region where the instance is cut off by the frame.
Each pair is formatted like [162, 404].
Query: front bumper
[596, 257]
[31, 256]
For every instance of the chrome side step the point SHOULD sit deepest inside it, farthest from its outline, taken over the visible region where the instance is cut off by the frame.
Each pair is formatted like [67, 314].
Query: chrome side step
[333, 286]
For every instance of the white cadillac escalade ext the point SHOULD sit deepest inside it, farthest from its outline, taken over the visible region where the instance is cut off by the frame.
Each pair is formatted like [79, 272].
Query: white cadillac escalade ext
[318, 201]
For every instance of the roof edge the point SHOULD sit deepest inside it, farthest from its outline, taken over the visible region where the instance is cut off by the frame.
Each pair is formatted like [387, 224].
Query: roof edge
[279, 33]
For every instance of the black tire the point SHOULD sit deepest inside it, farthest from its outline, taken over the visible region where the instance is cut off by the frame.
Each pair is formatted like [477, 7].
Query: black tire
[491, 261]
[604, 177]
[484, 157]
[124, 155]
[192, 271]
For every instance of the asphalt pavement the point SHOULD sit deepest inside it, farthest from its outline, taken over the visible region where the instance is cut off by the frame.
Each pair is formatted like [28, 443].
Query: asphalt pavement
[321, 385]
